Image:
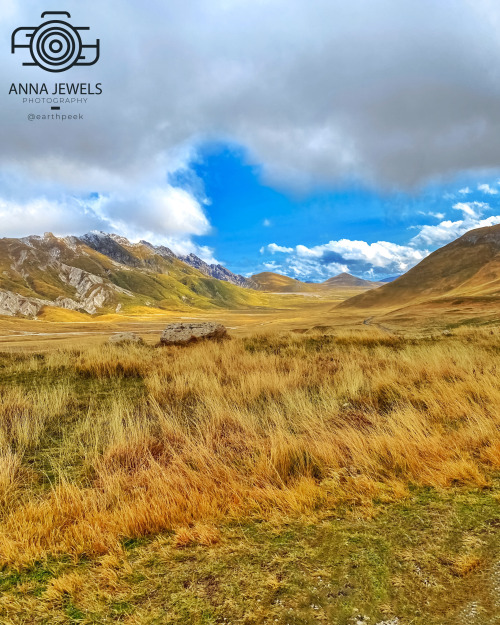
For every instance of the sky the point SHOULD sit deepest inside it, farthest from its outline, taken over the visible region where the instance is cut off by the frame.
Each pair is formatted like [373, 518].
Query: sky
[306, 137]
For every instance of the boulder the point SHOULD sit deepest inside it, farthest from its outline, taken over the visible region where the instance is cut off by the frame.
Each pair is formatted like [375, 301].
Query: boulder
[185, 333]
[125, 338]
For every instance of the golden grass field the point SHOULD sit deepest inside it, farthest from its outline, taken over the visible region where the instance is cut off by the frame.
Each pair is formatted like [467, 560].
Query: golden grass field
[302, 472]
[58, 328]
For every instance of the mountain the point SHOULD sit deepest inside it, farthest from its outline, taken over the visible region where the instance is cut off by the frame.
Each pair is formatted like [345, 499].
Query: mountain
[217, 271]
[277, 283]
[104, 273]
[469, 267]
[347, 280]
[390, 279]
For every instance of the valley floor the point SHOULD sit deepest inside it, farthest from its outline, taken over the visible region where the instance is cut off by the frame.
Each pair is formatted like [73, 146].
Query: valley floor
[321, 467]
[286, 312]
[291, 312]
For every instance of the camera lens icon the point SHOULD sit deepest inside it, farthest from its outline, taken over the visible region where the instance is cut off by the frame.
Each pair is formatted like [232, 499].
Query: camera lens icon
[56, 45]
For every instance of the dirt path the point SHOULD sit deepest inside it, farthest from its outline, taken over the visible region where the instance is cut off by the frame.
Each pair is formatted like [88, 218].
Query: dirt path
[368, 322]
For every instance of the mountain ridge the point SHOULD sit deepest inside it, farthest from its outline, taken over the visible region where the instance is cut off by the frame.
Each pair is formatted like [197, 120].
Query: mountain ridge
[103, 273]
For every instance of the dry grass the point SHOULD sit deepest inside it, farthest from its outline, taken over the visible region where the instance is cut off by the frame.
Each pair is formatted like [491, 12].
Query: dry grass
[110, 443]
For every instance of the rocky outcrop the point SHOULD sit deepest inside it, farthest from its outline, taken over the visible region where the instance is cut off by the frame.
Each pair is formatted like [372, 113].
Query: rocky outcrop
[125, 338]
[92, 291]
[489, 235]
[161, 250]
[13, 305]
[185, 333]
[218, 271]
[108, 245]
[84, 291]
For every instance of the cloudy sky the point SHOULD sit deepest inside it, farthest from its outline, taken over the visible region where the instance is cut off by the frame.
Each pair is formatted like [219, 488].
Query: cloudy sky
[306, 137]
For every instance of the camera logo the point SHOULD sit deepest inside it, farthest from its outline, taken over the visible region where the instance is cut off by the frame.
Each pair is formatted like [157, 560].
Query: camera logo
[56, 45]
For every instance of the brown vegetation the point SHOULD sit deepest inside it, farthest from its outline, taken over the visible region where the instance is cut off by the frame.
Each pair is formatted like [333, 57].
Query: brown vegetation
[108, 443]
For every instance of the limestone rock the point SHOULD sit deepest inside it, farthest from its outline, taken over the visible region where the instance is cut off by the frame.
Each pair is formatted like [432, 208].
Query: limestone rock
[13, 305]
[125, 338]
[185, 333]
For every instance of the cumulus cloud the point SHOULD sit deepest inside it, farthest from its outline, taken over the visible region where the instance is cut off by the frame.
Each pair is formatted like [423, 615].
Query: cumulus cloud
[161, 211]
[371, 260]
[43, 215]
[273, 248]
[391, 92]
[166, 215]
[273, 266]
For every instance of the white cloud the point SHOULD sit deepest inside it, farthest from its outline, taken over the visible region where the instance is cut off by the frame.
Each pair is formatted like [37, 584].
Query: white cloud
[273, 248]
[166, 215]
[430, 214]
[471, 209]
[41, 215]
[485, 188]
[161, 212]
[465, 191]
[322, 261]
[273, 266]
[447, 231]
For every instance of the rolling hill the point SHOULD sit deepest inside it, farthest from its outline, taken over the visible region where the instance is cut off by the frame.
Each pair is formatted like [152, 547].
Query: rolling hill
[348, 280]
[466, 269]
[277, 283]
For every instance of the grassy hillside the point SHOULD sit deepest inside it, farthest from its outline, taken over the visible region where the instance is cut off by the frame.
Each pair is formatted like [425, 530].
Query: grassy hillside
[291, 477]
[469, 266]
[276, 283]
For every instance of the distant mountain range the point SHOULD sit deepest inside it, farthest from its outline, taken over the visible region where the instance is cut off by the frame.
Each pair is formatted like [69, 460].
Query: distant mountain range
[391, 279]
[277, 283]
[467, 269]
[106, 273]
